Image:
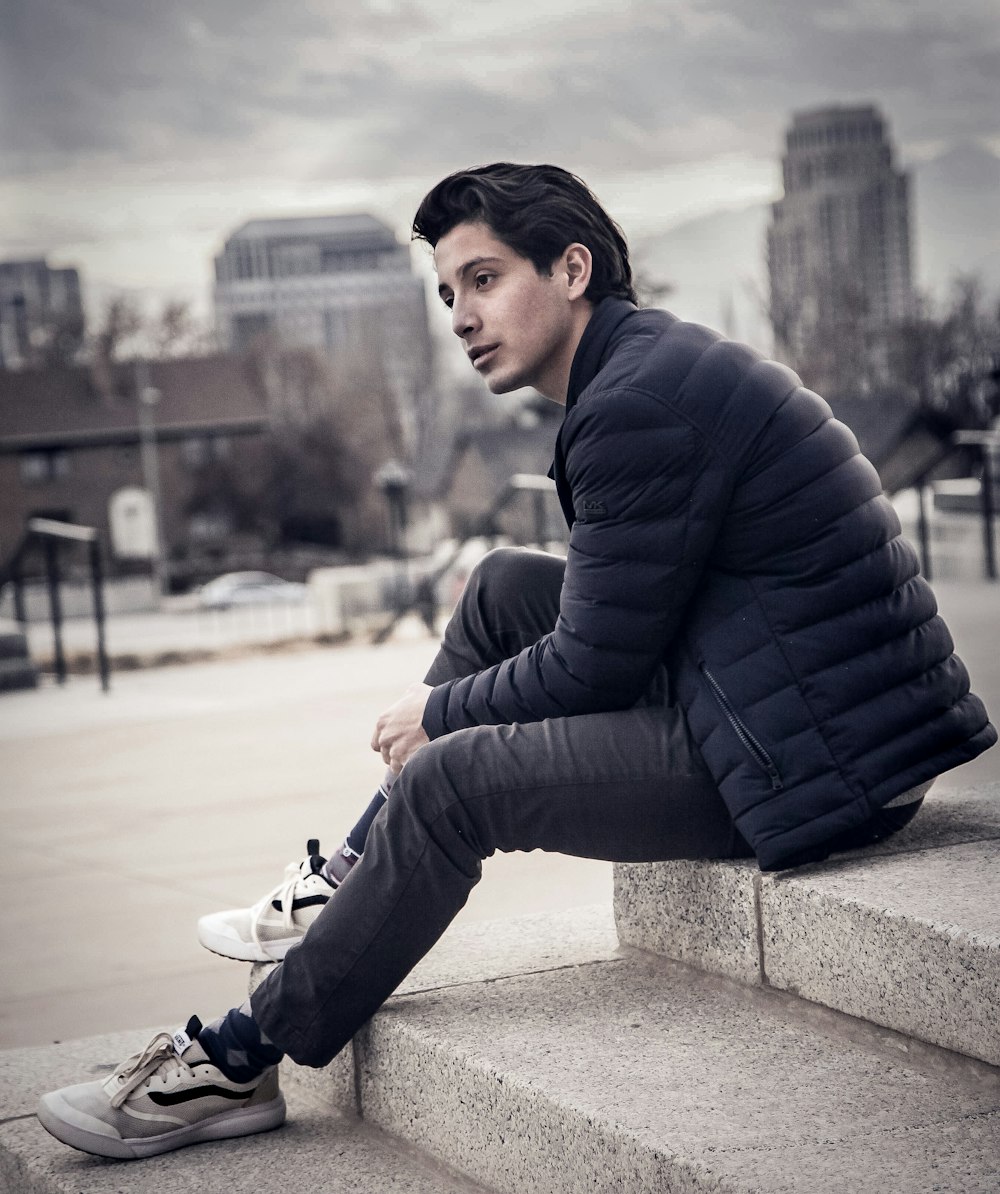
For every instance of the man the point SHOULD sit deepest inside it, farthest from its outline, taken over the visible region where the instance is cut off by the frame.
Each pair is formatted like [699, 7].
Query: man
[738, 657]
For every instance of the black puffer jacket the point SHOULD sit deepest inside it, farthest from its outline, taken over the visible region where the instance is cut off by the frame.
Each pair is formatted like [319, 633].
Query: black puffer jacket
[723, 522]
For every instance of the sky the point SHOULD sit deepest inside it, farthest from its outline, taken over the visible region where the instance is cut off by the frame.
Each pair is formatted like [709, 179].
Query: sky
[135, 135]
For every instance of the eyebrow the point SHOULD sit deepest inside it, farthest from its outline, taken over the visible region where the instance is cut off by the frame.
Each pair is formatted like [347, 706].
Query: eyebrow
[464, 269]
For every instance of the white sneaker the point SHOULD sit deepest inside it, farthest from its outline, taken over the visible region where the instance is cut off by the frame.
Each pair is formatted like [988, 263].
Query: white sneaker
[168, 1096]
[268, 930]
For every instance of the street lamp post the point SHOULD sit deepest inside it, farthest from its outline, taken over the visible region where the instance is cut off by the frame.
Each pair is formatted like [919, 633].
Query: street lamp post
[147, 396]
[394, 479]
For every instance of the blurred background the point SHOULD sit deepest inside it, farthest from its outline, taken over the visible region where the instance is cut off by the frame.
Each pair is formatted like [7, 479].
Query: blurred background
[232, 420]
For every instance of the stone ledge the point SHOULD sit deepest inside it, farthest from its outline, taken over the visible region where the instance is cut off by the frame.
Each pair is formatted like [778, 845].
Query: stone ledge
[476, 953]
[486, 950]
[859, 932]
[701, 913]
[648, 1075]
[911, 942]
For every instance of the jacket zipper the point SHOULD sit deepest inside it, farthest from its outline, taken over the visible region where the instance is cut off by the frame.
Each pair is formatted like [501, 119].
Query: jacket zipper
[753, 747]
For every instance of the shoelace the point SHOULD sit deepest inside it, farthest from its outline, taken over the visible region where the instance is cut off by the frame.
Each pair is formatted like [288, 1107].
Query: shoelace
[284, 894]
[158, 1054]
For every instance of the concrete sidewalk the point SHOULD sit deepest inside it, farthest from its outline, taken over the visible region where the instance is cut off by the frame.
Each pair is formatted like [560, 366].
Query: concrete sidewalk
[187, 789]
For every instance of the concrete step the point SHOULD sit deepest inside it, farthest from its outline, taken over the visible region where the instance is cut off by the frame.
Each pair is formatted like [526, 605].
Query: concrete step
[634, 1073]
[906, 934]
[319, 1148]
[538, 1056]
[473, 955]
[324, 1145]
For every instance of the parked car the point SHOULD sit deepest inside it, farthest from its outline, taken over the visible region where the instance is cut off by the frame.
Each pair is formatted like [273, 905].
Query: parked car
[249, 588]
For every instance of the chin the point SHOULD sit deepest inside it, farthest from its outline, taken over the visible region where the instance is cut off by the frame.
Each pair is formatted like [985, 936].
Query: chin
[498, 383]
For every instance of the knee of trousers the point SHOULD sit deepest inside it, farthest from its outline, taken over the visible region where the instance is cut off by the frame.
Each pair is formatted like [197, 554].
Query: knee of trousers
[504, 575]
[428, 798]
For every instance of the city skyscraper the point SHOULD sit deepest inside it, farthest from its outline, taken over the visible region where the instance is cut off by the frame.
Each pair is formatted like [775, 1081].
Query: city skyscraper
[839, 239]
[41, 314]
[341, 284]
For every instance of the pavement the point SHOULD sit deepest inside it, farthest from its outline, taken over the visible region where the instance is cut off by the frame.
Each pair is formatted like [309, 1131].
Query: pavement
[187, 788]
[184, 790]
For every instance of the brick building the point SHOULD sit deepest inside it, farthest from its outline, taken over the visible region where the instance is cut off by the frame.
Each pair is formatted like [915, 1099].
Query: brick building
[72, 444]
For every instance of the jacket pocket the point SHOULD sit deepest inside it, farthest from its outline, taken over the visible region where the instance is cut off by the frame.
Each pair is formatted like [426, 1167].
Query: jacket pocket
[750, 743]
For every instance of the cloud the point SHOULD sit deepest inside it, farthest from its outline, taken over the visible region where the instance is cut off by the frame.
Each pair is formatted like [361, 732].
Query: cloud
[405, 86]
[157, 121]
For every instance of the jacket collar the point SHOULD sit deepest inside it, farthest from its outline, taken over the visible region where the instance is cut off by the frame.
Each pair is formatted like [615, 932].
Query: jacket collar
[592, 349]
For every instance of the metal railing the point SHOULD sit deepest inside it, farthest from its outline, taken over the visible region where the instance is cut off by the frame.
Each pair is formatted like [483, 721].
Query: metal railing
[47, 535]
[419, 597]
[988, 444]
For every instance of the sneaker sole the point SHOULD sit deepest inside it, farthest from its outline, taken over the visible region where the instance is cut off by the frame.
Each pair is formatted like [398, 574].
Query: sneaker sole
[224, 1126]
[243, 951]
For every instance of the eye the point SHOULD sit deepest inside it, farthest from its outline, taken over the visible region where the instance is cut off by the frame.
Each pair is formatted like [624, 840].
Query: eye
[482, 279]
[448, 300]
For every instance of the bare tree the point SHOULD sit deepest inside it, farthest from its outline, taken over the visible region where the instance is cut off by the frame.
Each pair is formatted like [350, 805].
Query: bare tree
[945, 360]
[333, 423]
[127, 331]
[176, 332]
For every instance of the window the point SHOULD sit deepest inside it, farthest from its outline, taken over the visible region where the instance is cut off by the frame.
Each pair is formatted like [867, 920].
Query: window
[199, 451]
[39, 468]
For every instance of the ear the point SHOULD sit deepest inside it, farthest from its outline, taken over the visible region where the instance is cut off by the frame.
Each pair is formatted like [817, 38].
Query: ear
[578, 265]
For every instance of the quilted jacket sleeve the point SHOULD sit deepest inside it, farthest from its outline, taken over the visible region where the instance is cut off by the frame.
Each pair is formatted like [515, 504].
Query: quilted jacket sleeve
[648, 494]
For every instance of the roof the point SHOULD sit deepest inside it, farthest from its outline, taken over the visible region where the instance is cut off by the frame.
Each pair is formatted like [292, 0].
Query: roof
[355, 225]
[49, 408]
[504, 451]
[837, 114]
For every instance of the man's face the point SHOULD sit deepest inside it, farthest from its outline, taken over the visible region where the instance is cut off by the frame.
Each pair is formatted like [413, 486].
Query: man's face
[519, 327]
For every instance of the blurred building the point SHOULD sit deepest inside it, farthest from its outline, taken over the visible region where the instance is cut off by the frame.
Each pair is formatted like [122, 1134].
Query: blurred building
[41, 315]
[342, 284]
[839, 240]
[485, 459]
[76, 448]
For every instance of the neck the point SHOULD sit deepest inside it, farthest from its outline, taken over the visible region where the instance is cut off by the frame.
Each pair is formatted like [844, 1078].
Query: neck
[555, 384]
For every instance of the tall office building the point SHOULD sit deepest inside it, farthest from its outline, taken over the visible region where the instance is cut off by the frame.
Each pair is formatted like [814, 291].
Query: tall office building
[342, 284]
[839, 240]
[41, 315]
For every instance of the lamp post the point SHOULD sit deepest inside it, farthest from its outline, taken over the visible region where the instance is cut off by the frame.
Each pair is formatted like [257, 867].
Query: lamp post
[394, 479]
[147, 396]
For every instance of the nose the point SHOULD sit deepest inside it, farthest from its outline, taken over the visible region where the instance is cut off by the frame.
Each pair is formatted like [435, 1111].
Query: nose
[464, 319]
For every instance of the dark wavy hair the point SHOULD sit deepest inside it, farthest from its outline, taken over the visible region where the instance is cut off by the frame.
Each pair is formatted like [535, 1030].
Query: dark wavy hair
[535, 210]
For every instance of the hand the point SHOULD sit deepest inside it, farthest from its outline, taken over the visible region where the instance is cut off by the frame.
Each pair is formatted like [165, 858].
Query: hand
[398, 731]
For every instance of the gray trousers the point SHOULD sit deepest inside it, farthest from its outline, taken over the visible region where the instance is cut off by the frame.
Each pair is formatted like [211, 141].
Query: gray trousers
[626, 786]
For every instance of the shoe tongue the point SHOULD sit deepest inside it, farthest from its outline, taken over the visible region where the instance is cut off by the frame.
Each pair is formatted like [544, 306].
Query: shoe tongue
[314, 861]
[194, 1054]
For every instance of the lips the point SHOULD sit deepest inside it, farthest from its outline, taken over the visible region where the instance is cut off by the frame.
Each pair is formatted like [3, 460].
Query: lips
[481, 354]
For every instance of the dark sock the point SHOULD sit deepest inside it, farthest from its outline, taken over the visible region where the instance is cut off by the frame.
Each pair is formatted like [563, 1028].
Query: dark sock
[338, 866]
[359, 834]
[236, 1045]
